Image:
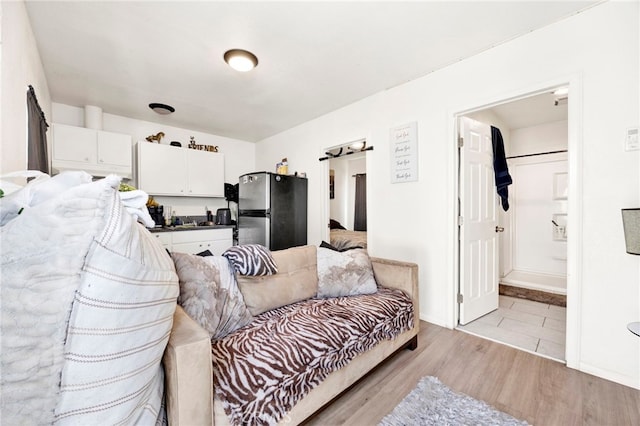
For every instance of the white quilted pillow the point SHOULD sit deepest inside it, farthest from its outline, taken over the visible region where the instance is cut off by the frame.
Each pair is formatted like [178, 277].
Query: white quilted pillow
[115, 301]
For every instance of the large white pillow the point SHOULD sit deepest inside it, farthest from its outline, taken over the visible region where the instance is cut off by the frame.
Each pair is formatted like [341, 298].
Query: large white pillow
[88, 300]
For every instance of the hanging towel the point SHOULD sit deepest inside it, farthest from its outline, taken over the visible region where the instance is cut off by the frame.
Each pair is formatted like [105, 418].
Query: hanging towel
[500, 169]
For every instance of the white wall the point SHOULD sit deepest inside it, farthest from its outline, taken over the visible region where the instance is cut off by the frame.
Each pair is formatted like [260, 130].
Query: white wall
[239, 156]
[598, 49]
[20, 67]
[543, 138]
[535, 246]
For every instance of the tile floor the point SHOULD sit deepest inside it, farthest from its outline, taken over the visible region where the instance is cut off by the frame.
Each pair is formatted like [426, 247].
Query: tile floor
[533, 326]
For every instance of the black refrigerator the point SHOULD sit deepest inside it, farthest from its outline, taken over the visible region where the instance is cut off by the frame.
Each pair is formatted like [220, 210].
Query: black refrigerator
[272, 210]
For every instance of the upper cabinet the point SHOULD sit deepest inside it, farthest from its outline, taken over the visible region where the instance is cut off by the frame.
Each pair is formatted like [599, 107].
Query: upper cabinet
[97, 152]
[175, 171]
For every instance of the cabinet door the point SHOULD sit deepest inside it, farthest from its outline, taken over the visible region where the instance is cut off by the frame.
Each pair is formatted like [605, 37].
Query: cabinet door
[162, 169]
[114, 149]
[205, 173]
[219, 247]
[191, 248]
[74, 144]
[164, 238]
[196, 241]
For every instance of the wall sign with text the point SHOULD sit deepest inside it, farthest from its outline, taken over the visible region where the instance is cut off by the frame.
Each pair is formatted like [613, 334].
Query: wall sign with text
[403, 141]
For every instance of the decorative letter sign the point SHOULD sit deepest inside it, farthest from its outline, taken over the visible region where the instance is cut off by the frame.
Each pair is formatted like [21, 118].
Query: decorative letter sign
[404, 153]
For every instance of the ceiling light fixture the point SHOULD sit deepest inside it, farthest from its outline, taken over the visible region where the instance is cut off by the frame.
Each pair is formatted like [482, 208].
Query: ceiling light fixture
[561, 91]
[240, 60]
[358, 146]
[162, 108]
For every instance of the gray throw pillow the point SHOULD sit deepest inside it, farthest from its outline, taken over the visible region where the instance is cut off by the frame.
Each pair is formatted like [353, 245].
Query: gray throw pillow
[346, 273]
[209, 293]
[252, 260]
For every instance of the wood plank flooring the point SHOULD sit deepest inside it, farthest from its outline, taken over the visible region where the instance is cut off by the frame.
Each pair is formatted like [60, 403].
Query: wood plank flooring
[539, 390]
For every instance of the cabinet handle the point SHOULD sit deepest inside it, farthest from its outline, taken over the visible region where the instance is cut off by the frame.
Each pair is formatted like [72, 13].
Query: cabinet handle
[86, 158]
[101, 160]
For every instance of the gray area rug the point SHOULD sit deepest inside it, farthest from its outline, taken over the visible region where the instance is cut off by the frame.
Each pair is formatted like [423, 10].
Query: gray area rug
[432, 403]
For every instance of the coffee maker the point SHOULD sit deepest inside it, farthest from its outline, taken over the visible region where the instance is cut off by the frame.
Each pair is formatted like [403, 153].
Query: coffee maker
[157, 214]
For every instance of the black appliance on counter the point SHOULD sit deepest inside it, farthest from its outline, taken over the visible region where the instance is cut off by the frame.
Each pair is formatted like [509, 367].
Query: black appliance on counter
[223, 217]
[272, 210]
[157, 214]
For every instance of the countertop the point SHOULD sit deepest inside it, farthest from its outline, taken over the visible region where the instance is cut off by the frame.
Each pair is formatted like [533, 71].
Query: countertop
[187, 228]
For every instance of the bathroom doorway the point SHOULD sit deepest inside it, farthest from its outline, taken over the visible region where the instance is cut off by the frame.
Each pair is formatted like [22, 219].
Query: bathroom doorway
[530, 238]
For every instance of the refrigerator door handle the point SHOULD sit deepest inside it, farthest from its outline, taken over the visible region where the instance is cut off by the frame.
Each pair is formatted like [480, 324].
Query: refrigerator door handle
[255, 213]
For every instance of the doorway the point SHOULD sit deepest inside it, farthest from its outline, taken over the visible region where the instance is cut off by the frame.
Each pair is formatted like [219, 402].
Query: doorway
[346, 210]
[529, 247]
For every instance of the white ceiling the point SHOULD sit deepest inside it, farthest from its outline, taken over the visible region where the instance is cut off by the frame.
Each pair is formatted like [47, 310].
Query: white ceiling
[315, 57]
[533, 110]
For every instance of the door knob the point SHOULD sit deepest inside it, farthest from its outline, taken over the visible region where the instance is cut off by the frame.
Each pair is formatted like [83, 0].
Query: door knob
[499, 229]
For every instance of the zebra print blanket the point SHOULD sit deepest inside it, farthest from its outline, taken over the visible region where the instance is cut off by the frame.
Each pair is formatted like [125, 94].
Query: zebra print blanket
[263, 369]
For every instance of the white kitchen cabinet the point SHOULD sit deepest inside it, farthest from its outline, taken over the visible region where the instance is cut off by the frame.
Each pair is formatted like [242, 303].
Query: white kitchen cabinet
[175, 171]
[164, 238]
[197, 240]
[97, 152]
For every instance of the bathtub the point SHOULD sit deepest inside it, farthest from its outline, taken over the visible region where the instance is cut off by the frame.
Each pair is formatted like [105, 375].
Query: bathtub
[536, 281]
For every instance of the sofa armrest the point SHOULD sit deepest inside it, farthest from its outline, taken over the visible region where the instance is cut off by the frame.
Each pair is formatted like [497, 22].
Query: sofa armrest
[400, 275]
[188, 373]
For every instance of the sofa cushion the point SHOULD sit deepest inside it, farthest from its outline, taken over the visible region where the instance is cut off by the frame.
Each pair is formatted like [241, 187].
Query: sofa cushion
[262, 370]
[346, 273]
[251, 259]
[209, 293]
[297, 279]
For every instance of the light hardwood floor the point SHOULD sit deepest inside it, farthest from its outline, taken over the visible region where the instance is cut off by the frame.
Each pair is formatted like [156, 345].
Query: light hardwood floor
[539, 390]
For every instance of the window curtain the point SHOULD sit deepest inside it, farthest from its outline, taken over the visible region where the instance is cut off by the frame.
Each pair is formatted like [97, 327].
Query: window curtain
[360, 215]
[37, 134]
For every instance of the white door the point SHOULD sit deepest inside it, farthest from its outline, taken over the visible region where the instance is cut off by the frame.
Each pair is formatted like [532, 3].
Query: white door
[478, 222]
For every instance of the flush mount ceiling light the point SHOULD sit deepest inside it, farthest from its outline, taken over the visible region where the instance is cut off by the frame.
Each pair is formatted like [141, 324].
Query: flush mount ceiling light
[240, 60]
[358, 146]
[162, 108]
[561, 91]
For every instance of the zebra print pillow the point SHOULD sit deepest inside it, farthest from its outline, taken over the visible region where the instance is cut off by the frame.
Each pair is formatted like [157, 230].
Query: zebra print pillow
[252, 260]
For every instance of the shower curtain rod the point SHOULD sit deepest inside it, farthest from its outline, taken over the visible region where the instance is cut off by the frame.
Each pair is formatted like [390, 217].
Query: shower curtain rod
[340, 154]
[538, 153]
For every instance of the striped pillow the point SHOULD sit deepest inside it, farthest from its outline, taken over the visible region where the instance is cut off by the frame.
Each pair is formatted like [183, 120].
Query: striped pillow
[251, 260]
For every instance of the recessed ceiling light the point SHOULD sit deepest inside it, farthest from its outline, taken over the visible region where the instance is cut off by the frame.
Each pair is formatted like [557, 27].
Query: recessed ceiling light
[240, 60]
[162, 108]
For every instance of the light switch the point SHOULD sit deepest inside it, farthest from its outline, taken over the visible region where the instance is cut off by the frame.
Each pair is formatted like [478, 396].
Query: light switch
[631, 142]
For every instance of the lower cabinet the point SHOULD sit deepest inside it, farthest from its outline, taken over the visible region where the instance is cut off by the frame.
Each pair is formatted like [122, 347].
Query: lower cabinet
[197, 240]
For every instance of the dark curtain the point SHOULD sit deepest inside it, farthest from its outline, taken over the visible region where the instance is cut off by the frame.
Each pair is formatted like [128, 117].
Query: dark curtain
[360, 216]
[37, 134]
